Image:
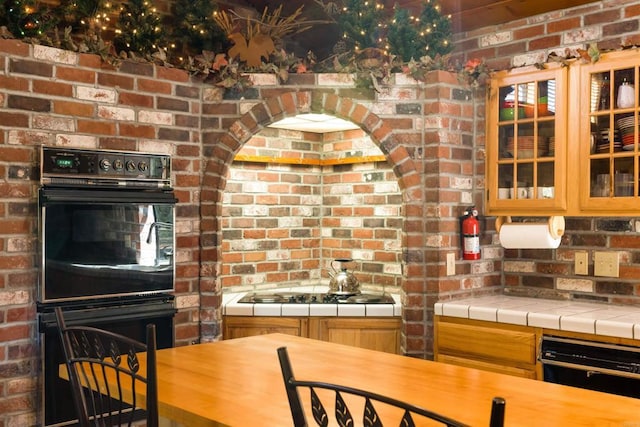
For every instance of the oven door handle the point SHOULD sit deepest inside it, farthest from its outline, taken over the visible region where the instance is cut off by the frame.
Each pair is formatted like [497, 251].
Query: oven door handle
[592, 370]
[58, 195]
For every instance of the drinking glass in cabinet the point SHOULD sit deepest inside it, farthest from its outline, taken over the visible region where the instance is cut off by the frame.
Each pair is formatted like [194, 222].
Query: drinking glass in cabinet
[623, 184]
[602, 185]
[600, 99]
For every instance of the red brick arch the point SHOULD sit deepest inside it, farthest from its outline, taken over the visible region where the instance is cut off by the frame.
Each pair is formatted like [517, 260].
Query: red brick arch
[252, 122]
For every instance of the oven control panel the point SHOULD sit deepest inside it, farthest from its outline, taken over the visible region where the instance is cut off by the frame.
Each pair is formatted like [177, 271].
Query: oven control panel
[101, 167]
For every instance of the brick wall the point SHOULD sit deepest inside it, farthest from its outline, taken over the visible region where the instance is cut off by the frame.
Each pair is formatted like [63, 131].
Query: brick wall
[432, 135]
[272, 212]
[53, 97]
[287, 213]
[426, 131]
[610, 24]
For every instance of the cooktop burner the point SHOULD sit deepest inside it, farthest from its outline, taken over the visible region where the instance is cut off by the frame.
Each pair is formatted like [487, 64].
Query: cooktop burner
[315, 298]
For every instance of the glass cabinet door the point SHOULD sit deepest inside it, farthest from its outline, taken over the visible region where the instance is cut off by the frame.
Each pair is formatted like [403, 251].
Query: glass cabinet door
[525, 143]
[612, 146]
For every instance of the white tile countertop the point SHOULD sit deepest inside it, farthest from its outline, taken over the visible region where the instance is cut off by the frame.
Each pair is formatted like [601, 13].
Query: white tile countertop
[231, 306]
[591, 318]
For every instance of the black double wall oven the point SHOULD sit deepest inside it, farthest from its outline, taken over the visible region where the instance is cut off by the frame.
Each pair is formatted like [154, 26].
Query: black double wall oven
[107, 242]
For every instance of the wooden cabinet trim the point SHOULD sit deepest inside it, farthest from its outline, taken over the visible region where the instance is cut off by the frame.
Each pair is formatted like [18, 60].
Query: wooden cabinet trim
[488, 342]
[378, 333]
[498, 347]
[573, 133]
[487, 366]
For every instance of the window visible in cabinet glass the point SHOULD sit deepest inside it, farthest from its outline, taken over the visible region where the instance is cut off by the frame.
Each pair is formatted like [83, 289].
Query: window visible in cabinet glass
[613, 150]
[526, 140]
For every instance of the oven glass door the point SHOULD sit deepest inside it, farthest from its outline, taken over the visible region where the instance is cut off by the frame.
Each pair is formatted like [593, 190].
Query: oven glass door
[105, 243]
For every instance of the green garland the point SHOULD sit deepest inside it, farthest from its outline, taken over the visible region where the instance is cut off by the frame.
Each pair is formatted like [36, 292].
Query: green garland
[427, 35]
[361, 23]
[195, 30]
[372, 42]
[139, 29]
[435, 30]
[402, 35]
[28, 18]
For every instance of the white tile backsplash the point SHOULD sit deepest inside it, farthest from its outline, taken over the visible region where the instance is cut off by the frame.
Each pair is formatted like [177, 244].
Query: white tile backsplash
[489, 314]
[515, 317]
[614, 328]
[238, 310]
[437, 308]
[585, 317]
[578, 324]
[295, 309]
[323, 309]
[351, 309]
[231, 307]
[382, 310]
[267, 309]
[456, 309]
[544, 320]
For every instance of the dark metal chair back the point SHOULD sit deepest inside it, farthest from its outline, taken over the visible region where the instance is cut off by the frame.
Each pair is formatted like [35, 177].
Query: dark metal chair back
[91, 355]
[342, 413]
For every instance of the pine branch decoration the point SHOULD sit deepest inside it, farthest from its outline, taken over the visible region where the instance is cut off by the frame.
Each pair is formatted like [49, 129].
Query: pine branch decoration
[138, 30]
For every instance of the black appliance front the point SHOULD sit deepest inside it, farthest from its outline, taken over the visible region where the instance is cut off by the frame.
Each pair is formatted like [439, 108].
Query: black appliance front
[610, 368]
[128, 317]
[99, 242]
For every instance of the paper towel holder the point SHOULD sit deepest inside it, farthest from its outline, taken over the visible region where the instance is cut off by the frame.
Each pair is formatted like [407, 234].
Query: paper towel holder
[556, 225]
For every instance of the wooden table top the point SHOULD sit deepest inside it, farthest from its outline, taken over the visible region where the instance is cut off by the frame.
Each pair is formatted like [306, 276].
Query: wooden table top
[238, 383]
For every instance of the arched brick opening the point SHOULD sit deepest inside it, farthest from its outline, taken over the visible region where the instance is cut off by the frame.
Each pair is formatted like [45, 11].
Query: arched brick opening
[261, 115]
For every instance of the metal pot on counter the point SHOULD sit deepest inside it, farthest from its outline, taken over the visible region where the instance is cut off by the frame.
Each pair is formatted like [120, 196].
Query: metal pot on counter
[343, 282]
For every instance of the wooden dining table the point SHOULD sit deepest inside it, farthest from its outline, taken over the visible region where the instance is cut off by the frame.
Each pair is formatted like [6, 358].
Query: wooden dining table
[238, 382]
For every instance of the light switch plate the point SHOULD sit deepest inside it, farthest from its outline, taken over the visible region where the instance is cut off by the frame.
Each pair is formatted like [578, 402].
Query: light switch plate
[451, 264]
[606, 264]
[581, 265]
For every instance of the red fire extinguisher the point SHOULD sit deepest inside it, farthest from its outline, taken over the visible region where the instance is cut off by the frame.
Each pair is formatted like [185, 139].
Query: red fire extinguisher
[470, 228]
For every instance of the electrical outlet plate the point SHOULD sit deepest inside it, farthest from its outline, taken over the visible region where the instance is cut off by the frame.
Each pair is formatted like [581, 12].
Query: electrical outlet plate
[581, 265]
[451, 264]
[606, 264]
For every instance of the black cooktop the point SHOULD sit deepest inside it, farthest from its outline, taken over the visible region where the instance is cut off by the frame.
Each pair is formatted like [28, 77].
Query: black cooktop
[287, 297]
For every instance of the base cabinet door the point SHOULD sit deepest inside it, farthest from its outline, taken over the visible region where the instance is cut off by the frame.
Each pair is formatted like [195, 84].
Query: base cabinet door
[246, 326]
[381, 334]
[507, 349]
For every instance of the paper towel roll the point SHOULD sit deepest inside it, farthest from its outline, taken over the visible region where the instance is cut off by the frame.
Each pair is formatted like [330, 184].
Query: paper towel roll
[527, 236]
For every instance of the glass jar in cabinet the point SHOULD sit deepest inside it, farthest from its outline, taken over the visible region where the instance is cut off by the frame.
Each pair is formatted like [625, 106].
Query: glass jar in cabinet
[608, 177]
[526, 150]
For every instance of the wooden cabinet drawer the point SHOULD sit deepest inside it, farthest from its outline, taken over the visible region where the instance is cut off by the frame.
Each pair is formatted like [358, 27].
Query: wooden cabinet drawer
[375, 333]
[382, 334]
[491, 343]
[246, 326]
[487, 366]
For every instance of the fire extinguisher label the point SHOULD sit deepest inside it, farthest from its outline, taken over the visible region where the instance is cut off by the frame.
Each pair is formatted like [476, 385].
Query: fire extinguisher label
[472, 244]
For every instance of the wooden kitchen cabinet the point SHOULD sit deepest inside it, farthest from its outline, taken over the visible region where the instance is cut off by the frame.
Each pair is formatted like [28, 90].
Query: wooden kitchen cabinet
[375, 333]
[576, 155]
[496, 347]
[526, 141]
[381, 333]
[246, 326]
[608, 140]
